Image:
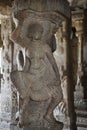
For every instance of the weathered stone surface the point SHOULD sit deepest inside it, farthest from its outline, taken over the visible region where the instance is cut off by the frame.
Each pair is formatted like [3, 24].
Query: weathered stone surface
[44, 6]
[37, 78]
[4, 10]
[5, 2]
[6, 66]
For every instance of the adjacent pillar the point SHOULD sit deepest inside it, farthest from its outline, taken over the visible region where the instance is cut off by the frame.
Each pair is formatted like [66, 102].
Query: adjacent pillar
[61, 59]
[6, 66]
[77, 22]
[70, 78]
[79, 94]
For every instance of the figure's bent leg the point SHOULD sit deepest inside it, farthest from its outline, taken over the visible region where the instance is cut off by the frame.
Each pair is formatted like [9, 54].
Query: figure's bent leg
[49, 115]
[22, 111]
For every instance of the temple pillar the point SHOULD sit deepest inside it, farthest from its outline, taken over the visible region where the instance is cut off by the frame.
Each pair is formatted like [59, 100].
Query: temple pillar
[77, 22]
[6, 67]
[66, 36]
[79, 93]
[70, 78]
[8, 96]
[63, 56]
[37, 77]
[61, 59]
[1, 44]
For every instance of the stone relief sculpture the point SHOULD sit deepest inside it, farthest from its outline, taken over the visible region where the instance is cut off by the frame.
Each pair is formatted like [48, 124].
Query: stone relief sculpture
[38, 80]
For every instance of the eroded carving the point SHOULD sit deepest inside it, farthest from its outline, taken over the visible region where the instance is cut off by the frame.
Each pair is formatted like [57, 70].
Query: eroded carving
[38, 80]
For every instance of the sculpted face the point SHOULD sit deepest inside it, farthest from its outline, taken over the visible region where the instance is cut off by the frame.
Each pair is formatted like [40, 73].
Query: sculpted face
[30, 28]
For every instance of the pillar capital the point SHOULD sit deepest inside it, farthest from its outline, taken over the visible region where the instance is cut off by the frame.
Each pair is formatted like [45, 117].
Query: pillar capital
[41, 6]
[77, 21]
[54, 11]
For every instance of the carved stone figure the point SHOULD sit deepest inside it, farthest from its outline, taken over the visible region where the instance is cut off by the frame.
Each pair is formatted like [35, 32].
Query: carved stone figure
[38, 81]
